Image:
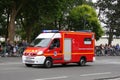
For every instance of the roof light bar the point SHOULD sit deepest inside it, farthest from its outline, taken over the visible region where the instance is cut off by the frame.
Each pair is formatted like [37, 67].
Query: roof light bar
[50, 31]
[85, 31]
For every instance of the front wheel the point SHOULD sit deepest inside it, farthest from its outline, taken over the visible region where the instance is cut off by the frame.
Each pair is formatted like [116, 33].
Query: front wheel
[48, 63]
[82, 62]
[63, 64]
[28, 65]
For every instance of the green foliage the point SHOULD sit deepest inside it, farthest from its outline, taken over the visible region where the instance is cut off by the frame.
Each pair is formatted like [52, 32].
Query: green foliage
[84, 18]
[32, 16]
[43, 14]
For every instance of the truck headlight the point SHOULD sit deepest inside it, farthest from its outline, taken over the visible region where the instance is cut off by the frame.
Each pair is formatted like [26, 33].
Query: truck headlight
[40, 53]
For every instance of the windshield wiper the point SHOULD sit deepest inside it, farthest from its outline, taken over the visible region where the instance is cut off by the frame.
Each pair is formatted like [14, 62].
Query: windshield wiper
[31, 45]
[38, 46]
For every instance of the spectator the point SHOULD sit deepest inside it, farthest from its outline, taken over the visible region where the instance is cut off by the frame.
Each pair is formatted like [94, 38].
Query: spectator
[106, 49]
[0, 49]
[24, 43]
[102, 49]
[109, 50]
[117, 47]
[15, 49]
[8, 47]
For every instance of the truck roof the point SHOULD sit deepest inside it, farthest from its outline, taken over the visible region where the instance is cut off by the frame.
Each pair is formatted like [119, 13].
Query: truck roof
[69, 32]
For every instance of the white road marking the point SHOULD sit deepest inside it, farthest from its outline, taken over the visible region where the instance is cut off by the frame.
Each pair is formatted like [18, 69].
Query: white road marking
[6, 69]
[114, 79]
[108, 61]
[51, 78]
[10, 63]
[92, 74]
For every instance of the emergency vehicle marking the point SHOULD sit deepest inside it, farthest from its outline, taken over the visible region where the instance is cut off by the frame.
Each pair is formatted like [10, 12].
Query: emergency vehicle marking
[55, 53]
[30, 50]
[52, 54]
[81, 53]
[59, 54]
[86, 48]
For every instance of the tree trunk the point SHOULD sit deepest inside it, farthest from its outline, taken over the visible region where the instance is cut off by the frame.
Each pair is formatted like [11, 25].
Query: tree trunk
[11, 26]
[55, 23]
[110, 39]
[28, 33]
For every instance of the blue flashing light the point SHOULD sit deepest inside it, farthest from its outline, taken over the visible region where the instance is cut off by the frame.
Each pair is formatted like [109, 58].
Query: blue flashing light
[50, 31]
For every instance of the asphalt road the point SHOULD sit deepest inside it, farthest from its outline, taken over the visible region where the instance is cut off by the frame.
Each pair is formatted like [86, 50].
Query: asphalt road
[104, 68]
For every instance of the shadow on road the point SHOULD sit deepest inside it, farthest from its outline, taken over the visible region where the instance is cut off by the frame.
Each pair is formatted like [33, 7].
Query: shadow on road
[61, 66]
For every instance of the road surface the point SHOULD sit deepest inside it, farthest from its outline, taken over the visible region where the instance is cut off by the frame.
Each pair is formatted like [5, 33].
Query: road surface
[104, 68]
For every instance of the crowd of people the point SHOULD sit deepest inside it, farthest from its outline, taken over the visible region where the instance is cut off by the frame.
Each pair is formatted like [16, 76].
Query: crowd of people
[107, 50]
[10, 48]
[16, 49]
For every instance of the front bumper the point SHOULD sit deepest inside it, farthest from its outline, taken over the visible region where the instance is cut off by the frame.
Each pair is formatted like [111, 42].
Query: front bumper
[33, 59]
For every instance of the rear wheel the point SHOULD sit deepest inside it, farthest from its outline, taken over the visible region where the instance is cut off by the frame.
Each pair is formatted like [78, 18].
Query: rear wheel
[82, 62]
[48, 63]
[28, 65]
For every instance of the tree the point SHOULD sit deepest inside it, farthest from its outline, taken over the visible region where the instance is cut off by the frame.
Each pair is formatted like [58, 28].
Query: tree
[43, 14]
[38, 15]
[84, 17]
[11, 8]
[109, 15]
[3, 28]
[4, 17]
[117, 18]
[65, 8]
[28, 18]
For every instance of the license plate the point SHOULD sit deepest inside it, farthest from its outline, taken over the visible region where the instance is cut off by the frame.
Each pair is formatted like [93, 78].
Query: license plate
[29, 58]
[29, 61]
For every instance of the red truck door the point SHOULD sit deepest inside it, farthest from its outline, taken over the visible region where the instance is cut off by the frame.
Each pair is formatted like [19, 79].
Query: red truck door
[56, 51]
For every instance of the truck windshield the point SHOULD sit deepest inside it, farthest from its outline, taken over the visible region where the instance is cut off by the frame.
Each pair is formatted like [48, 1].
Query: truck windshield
[40, 42]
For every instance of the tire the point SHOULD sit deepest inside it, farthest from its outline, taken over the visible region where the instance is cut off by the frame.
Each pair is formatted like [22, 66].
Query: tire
[64, 64]
[48, 63]
[28, 65]
[82, 62]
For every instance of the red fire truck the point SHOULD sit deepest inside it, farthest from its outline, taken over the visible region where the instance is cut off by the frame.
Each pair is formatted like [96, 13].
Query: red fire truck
[60, 47]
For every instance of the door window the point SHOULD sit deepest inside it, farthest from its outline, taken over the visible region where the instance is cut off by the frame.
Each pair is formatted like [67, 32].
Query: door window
[55, 43]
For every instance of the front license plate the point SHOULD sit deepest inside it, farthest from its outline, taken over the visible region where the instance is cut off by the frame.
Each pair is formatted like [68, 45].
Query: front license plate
[29, 58]
[29, 61]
